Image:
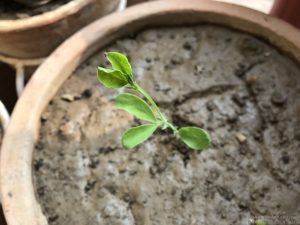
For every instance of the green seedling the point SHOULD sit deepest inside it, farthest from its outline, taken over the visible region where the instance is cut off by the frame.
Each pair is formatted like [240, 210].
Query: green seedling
[120, 75]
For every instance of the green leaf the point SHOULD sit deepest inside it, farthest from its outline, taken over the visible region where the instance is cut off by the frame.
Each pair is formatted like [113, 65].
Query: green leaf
[137, 135]
[260, 222]
[111, 78]
[135, 105]
[194, 137]
[119, 62]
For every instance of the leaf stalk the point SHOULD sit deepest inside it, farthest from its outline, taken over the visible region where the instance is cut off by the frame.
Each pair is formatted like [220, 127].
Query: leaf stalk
[165, 122]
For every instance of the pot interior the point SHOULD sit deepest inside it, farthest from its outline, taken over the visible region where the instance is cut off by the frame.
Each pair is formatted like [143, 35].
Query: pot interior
[243, 90]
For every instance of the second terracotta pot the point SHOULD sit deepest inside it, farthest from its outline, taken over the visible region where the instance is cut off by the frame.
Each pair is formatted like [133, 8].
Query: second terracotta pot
[38, 36]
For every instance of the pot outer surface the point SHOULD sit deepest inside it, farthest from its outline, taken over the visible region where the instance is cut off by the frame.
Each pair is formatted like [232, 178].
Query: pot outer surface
[1, 134]
[245, 92]
[10, 10]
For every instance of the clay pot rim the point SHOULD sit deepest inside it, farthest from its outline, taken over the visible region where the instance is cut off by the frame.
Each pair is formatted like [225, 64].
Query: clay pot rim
[43, 19]
[17, 191]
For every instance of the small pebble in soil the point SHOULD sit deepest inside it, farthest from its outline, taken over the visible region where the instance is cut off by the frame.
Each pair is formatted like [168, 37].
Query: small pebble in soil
[45, 116]
[198, 69]
[70, 130]
[68, 97]
[240, 137]
[278, 98]
[251, 80]
[176, 60]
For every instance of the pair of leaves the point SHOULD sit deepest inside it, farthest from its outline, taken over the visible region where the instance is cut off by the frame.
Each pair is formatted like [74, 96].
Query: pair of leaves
[119, 75]
[140, 109]
[194, 137]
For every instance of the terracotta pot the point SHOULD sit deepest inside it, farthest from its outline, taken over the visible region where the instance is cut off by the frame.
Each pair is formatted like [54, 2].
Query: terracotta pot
[17, 191]
[288, 10]
[39, 35]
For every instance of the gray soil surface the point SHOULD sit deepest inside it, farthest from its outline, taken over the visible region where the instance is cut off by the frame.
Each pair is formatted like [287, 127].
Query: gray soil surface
[245, 92]
[10, 10]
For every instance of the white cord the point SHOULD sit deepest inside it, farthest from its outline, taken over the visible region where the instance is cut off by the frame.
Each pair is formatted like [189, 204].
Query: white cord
[4, 116]
[20, 77]
[122, 5]
[19, 65]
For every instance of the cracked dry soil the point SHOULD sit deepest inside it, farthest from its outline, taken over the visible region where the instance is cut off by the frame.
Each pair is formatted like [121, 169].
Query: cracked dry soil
[244, 91]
